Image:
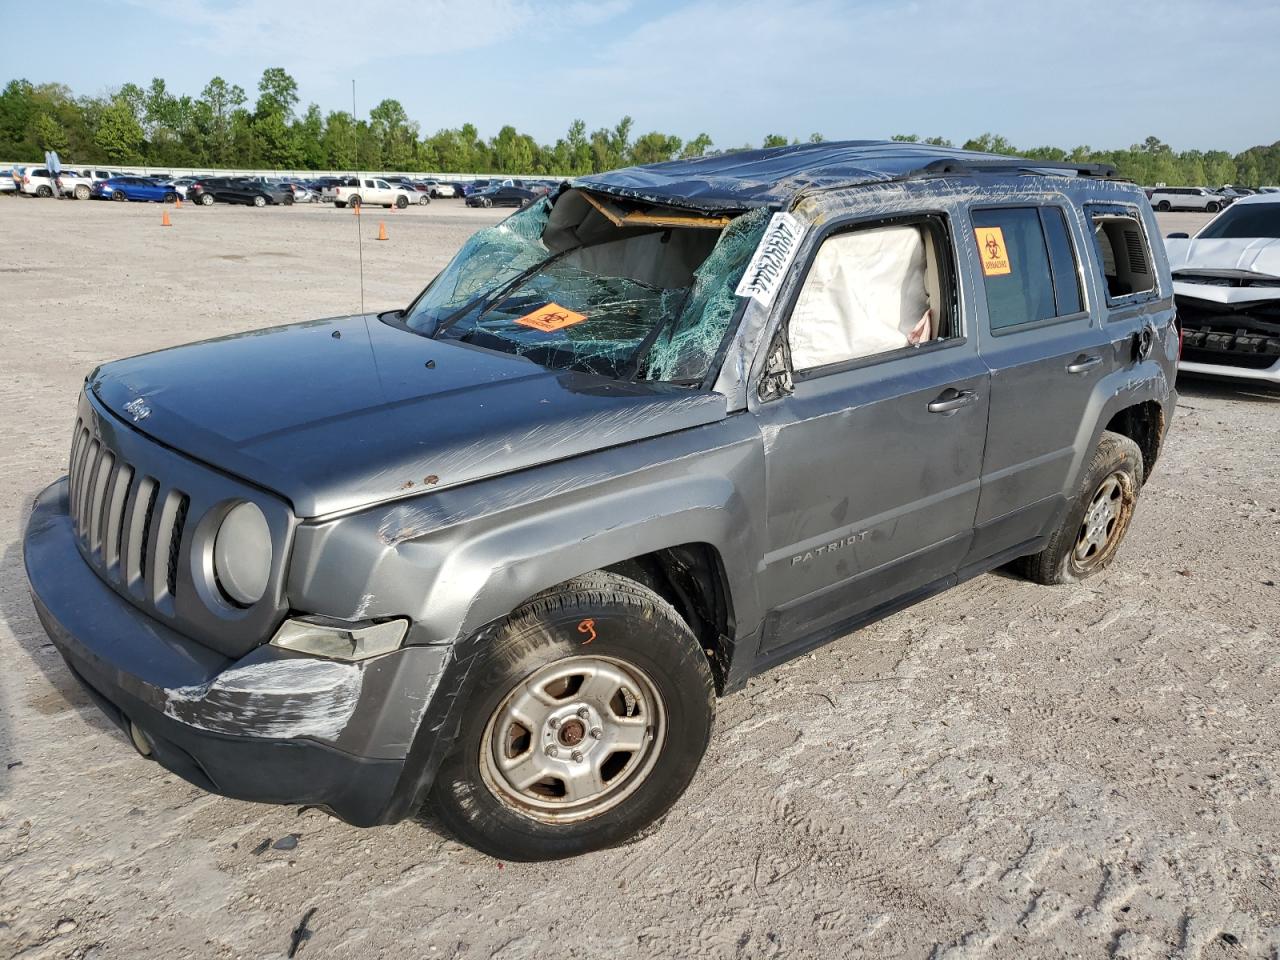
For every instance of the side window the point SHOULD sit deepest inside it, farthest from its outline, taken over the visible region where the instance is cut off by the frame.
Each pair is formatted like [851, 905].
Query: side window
[368, 184]
[873, 291]
[1016, 269]
[1123, 254]
[382, 184]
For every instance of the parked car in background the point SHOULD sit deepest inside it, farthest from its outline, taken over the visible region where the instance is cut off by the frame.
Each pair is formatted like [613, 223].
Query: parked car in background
[1187, 198]
[181, 185]
[476, 186]
[73, 184]
[7, 183]
[255, 193]
[1226, 281]
[502, 197]
[440, 189]
[365, 190]
[133, 188]
[36, 182]
[419, 193]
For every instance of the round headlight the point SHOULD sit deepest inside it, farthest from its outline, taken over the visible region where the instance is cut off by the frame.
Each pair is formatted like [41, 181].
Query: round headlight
[242, 554]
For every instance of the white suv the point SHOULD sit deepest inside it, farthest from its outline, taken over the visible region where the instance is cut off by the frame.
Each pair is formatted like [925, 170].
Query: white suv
[73, 184]
[1187, 198]
[362, 190]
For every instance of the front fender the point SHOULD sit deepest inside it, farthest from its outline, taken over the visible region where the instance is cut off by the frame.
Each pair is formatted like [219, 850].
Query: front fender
[455, 560]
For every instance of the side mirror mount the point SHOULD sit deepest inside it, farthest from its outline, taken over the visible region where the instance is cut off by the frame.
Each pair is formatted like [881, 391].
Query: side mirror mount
[1178, 236]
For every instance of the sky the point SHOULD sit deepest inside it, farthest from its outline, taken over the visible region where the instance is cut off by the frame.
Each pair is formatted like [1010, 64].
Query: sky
[1197, 74]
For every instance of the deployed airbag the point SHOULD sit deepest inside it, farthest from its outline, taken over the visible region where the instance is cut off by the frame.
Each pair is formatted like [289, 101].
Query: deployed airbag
[865, 294]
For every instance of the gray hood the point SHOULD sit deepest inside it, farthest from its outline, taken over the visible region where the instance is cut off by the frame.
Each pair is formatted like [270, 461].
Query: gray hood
[339, 414]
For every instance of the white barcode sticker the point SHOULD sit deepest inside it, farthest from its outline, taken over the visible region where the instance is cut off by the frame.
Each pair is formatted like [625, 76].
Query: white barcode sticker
[772, 259]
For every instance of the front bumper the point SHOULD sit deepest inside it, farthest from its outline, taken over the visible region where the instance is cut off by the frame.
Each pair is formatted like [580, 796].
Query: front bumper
[1268, 375]
[273, 726]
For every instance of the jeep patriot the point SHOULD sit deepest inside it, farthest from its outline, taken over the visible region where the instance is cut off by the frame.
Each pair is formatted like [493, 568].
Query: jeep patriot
[500, 552]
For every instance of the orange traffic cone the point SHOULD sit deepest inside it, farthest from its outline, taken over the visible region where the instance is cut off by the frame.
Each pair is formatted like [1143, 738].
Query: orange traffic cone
[382, 230]
[177, 203]
[164, 220]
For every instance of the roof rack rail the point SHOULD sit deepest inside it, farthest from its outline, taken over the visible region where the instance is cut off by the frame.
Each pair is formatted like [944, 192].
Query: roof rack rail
[960, 168]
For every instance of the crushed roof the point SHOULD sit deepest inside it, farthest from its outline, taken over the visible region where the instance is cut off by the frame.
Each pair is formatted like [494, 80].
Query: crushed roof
[752, 178]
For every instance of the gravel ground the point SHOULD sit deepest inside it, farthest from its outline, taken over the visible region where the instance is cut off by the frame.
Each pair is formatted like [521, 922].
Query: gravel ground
[1005, 771]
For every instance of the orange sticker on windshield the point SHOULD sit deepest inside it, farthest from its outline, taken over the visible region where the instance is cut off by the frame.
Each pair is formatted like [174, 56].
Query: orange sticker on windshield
[995, 258]
[550, 318]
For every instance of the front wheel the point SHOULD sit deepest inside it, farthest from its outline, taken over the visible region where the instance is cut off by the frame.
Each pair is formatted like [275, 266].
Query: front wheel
[259, 200]
[1097, 519]
[423, 200]
[170, 198]
[594, 711]
[1212, 208]
[44, 191]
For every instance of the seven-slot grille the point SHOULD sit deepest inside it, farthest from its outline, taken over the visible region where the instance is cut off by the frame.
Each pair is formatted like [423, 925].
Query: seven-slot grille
[129, 526]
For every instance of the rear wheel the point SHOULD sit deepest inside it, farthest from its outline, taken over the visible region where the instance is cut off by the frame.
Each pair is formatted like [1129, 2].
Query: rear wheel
[118, 194]
[354, 200]
[339, 203]
[82, 192]
[206, 199]
[402, 202]
[44, 191]
[1097, 520]
[1164, 206]
[423, 200]
[259, 200]
[594, 712]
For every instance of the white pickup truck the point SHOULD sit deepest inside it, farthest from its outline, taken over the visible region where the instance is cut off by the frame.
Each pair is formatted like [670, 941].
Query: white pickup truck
[366, 190]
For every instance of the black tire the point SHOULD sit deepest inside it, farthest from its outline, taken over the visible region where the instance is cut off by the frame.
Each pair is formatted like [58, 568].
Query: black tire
[1164, 206]
[288, 200]
[206, 199]
[339, 203]
[354, 200]
[259, 200]
[170, 198]
[1116, 457]
[1212, 208]
[487, 202]
[44, 192]
[81, 192]
[118, 194]
[401, 202]
[423, 200]
[628, 624]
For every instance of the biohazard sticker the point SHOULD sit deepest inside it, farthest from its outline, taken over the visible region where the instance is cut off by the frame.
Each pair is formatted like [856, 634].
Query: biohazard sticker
[551, 318]
[995, 257]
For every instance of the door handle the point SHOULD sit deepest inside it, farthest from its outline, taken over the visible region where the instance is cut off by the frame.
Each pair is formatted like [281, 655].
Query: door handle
[952, 400]
[1083, 364]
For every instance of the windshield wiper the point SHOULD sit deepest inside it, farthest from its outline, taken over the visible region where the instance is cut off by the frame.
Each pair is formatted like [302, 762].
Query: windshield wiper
[494, 297]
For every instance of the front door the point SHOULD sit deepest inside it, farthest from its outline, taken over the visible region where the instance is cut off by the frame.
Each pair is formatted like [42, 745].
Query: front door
[873, 462]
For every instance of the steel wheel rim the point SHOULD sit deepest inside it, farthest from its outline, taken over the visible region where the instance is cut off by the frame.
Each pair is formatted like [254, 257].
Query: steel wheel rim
[574, 739]
[1104, 520]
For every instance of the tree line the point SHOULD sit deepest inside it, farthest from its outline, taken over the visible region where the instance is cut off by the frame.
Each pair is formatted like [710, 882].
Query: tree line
[153, 126]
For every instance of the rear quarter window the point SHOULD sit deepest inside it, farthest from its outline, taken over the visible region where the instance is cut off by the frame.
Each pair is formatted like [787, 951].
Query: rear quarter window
[1124, 254]
[1029, 266]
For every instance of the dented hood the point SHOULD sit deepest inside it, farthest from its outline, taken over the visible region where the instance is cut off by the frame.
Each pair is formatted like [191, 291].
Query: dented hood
[339, 414]
[1240, 260]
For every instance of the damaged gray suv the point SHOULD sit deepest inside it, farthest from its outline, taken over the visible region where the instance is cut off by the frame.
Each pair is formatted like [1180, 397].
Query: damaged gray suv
[500, 552]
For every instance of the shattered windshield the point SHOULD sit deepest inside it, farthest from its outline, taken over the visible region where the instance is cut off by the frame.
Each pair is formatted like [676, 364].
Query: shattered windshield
[649, 303]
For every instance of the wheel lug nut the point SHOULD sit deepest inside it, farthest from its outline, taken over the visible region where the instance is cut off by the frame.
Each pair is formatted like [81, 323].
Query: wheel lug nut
[552, 750]
[596, 733]
[577, 756]
[583, 713]
[555, 723]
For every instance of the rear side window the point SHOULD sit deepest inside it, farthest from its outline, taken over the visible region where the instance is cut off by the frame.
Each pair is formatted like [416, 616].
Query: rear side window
[1028, 266]
[1124, 254]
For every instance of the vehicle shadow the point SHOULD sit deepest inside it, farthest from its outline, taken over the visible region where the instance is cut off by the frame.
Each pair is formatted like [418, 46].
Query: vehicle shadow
[1213, 388]
[18, 614]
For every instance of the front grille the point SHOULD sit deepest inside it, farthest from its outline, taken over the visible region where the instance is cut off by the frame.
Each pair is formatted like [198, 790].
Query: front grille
[129, 524]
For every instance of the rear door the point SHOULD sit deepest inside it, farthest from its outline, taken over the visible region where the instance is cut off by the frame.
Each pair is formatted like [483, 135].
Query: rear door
[1046, 350]
[873, 462]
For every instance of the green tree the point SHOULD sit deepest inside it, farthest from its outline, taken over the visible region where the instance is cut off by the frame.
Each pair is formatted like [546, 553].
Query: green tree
[49, 134]
[119, 133]
[697, 147]
[655, 147]
[277, 93]
[774, 140]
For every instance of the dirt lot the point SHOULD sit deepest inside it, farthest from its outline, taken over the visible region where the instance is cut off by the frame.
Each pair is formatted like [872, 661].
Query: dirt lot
[1006, 771]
